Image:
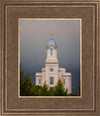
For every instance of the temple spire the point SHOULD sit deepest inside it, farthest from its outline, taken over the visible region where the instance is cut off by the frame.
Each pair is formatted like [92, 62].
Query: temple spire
[51, 42]
[51, 34]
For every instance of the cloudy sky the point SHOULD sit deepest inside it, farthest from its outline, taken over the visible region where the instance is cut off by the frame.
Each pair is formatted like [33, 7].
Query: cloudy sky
[34, 36]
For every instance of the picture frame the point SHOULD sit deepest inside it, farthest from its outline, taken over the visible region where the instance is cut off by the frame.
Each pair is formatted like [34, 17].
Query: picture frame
[10, 103]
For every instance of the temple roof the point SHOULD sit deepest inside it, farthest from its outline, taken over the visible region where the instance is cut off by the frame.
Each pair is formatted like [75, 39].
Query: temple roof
[52, 43]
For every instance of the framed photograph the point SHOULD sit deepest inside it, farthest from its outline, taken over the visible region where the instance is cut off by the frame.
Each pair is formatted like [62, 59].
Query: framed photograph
[60, 49]
[49, 57]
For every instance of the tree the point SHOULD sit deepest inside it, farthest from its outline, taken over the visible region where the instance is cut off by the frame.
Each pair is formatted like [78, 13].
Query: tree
[79, 90]
[21, 73]
[59, 89]
[38, 89]
[51, 91]
[43, 91]
[66, 92]
[26, 86]
[21, 80]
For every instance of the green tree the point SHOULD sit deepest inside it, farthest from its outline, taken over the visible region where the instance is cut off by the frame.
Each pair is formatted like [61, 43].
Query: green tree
[79, 90]
[33, 91]
[21, 80]
[59, 89]
[21, 73]
[51, 91]
[66, 92]
[43, 91]
[38, 89]
[26, 86]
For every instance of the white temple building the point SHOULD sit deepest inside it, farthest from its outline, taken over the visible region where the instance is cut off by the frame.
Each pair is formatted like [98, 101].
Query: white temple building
[51, 73]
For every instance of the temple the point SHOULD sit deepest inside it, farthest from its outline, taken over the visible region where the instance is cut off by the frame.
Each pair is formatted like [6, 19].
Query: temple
[51, 73]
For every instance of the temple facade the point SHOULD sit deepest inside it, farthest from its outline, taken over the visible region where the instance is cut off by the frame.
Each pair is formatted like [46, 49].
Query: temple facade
[52, 72]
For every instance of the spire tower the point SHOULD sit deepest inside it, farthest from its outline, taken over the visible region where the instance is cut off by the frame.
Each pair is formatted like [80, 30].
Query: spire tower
[51, 34]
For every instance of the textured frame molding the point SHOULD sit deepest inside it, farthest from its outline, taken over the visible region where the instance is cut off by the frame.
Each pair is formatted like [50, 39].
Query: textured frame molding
[96, 4]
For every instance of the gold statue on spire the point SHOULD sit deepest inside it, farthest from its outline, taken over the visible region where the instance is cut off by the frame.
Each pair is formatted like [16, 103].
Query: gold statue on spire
[51, 34]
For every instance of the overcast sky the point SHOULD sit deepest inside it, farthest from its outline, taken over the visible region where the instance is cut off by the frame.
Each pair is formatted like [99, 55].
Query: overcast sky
[34, 36]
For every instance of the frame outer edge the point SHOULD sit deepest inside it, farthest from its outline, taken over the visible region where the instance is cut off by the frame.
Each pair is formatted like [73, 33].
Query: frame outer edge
[27, 1]
[98, 58]
[97, 102]
[1, 56]
[0, 60]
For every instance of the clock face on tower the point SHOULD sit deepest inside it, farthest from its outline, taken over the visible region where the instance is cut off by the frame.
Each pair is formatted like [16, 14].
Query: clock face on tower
[51, 69]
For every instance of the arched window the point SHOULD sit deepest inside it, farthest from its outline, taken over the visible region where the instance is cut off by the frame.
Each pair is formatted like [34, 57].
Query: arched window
[51, 51]
[39, 81]
[51, 80]
[63, 81]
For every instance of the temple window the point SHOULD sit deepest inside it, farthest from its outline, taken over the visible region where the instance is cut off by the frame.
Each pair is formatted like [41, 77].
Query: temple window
[51, 51]
[51, 80]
